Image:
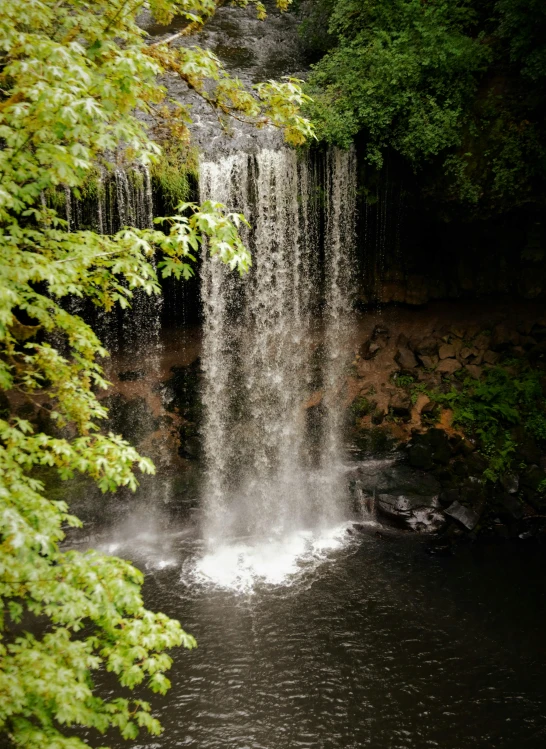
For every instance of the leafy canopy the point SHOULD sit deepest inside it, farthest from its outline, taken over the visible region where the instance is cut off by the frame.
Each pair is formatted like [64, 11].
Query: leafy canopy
[73, 76]
[453, 85]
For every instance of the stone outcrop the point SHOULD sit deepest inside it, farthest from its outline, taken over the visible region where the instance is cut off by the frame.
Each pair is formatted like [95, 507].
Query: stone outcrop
[454, 497]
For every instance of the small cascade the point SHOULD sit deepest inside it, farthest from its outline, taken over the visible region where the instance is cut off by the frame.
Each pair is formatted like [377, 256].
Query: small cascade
[262, 334]
[340, 183]
[120, 198]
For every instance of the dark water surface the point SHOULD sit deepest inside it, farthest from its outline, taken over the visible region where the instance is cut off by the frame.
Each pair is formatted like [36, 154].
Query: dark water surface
[379, 646]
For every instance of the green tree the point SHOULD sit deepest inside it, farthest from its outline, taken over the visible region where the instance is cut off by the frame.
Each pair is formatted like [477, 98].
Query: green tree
[73, 76]
[455, 87]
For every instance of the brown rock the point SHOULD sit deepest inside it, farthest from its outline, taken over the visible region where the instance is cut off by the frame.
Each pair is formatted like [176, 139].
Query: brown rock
[465, 353]
[457, 345]
[448, 366]
[419, 407]
[400, 405]
[482, 342]
[503, 337]
[427, 346]
[405, 358]
[370, 348]
[457, 332]
[447, 351]
[490, 357]
[429, 362]
[474, 371]
[472, 331]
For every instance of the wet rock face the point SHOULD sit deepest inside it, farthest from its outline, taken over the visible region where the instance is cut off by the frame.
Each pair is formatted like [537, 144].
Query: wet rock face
[400, 495]
[181, 396]
[130, 417]
[251, 50]
[415, 512]
[463, 515]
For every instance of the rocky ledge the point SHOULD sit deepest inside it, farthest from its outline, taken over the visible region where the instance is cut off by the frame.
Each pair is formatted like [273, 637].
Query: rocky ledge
[440, 480]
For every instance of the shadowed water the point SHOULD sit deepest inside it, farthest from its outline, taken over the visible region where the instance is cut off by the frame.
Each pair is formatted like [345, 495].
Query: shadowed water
[371, 644]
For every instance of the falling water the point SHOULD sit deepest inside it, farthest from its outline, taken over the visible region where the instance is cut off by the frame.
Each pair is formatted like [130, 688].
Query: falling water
[339, 291]
[263, 480]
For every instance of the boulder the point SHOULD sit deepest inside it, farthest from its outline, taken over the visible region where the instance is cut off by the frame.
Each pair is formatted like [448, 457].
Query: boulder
[371, 348]
[482, 342]
[466, 352]
[447, 351]
[405, 358]
[472, 331]
[448, 366]
[457, 331]
[413, 511]
[463, 515]
[427, 346]
[490, 357]
[503, 337]
[429, 362]
[474, 371]
[400, 404]
[457, 346]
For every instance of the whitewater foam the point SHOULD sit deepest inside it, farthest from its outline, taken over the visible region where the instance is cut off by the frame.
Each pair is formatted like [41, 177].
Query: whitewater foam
[244, 565]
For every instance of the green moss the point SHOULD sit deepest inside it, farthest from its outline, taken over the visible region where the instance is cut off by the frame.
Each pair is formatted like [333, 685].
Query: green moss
[56, 198]
[174, 174]
[362, 406]
[93, 187]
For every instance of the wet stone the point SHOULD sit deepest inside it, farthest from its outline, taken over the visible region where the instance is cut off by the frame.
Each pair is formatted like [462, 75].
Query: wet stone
[463, 515]
[405, 358]
[448, 366]
[416, 512]
[474, 371]
[447, 351]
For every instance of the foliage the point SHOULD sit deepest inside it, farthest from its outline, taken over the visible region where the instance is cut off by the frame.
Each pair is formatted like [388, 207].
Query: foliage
[362, 406]
[403, 380]
[457, 86]
[489, 409]
[73, 75]
[174, 172]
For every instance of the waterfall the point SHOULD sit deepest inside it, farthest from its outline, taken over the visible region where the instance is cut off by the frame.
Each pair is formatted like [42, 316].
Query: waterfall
[340, 183]
[262, 337]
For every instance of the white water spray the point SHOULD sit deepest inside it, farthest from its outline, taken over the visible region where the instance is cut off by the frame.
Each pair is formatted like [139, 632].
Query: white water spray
[272, 474]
